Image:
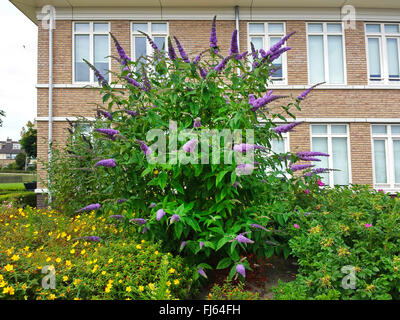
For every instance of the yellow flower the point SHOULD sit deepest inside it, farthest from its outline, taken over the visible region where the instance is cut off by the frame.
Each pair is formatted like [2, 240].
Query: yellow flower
[141, 288]
[143, 241]
[103, 272]
[9, 267]
[110, 260]
[48, 259]
[168, 283]
[58, 260]
[69, 238]
[176, 281]
[151, 286]
[15, 257]
[63, 235]
[3, 284]
[72, 251]
[26, 248]
[108, 289]
[172, 270]
[138, 246]
[156, 252]
[83, 252]
[52, 296]
[65, 278]
[93, 228]
[68, 263]
[128, 289]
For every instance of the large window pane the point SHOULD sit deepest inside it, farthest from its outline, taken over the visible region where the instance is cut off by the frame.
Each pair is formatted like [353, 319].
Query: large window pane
[257, 42]
[379, 129]
[101, 51]
[335, 56]
[256, 27]
[140, 47]
[374, 59]
[316, 59]
[396, 129]
[393, 58]
[100, 27]
[340, 161]
[396, 151]
[82, 51]
[339, 129]
[278, 146]
[159, 27]
[315, 27]
[275, 28]
[334, 27]
[160, 42]
[321, 145]
[319, 129]
[373, 28]
[140, 27]
[82, 27]
[391, 28]
[380, 161]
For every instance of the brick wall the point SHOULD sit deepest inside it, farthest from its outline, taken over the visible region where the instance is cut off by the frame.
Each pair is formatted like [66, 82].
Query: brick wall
[194, 36]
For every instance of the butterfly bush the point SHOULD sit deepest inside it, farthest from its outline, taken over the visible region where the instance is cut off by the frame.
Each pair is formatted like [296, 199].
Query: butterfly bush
[215, 211]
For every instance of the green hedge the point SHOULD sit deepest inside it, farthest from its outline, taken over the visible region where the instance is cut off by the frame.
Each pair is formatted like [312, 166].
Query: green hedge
[20, 198]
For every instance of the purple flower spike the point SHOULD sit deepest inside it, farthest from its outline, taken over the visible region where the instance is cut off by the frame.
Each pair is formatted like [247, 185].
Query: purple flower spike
[152, 43]
[197, 123]
[190, 145]
[152, 205]
[90, 207]
[242, 239]
[121, 200]
[241, 56]
[123, 57]
[144, 147]
[203, 73]
[93, 238]
[160, 213]
[304, 94]
[244, 147]
[117, 216]
[171, 50]
[132, 81]
[105, 114]
[234, 44]
[109, 132]
[257, 226]
[308, 154]
[176, 218]
[261, 102]
[183, 244]
[140, 221]
[181, 51]
[297, 167]
[109, 163]
[222, 64]
[241, 270]
[131, 113]
[201, 244]
[287, 127]
[145, 229]
[202, 273]
[244, 169]
[213, 36]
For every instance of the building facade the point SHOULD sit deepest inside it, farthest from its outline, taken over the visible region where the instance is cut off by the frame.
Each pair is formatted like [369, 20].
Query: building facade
[354, 116]
[8, 152]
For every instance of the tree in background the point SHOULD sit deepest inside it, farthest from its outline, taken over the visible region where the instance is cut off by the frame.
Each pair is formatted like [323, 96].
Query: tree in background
[20, 161]
[29, 140]
[2, 114]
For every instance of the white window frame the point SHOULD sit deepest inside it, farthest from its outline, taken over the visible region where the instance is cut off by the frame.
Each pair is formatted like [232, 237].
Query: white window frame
[384, 63]
[266, 35]
[91, 35]
[329, 135]
[16, 146]
[325, 34]
[388, 137]
[149, 49]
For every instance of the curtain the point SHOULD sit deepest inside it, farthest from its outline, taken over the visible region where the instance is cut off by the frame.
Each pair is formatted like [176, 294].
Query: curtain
[335, 58]
[374, 58]
[321, 145]
[393, 58]
[101, 51]
[82, 51]
[316, 59]
[340, 161]
[380, 161]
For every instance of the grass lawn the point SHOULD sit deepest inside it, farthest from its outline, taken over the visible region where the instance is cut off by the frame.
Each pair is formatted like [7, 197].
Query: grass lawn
[12, 187]
[12, 178]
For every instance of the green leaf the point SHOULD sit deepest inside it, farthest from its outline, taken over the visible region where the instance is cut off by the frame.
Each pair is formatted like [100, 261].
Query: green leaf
[163, 179]
[224, 263]
[220, 176]
[222, 242]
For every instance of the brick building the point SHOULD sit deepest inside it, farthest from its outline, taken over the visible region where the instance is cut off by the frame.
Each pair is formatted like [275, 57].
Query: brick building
[8, 152]
[354, 116]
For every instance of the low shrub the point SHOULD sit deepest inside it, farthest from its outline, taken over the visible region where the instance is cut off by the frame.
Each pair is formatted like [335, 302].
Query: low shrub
[343, 232]
[20, 199]
[230, 291]
[113, 266]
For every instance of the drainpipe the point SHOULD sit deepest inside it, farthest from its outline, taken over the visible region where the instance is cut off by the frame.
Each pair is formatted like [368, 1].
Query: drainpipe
[50, 153]
[237, 24]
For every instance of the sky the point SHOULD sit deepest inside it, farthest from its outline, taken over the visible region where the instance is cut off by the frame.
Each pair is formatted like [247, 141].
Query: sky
[18, 70]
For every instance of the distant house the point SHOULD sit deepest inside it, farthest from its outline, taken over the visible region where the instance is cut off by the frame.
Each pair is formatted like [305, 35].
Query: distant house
[8, 151]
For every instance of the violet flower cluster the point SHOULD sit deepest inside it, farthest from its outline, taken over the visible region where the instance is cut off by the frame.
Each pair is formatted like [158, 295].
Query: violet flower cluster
[213, 36]
[287, 127]
[91, 207]
[261, 102]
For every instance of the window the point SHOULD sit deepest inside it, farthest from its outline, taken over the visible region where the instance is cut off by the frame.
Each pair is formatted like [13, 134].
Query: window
[326, 53]
[158, 31]
[264, 35]
[334, 140]
[383, 52]
[11, 156]
[91, 42]
[386, 151]
[16, 146]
